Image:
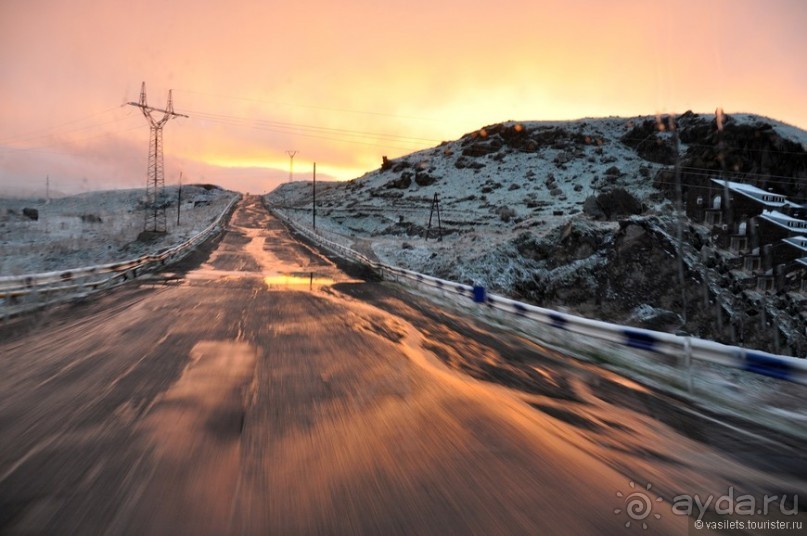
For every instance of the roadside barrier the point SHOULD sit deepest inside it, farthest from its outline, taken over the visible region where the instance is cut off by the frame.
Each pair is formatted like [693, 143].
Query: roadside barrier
[22, 293]
[594, 339]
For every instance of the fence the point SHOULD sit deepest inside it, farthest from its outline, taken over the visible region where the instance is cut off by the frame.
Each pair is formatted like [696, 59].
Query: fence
[692, 367]
[23, 293]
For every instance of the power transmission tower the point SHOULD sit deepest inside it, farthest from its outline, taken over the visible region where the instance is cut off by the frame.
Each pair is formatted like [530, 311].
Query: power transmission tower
[435, 208]
[155, 173]
[291, 164]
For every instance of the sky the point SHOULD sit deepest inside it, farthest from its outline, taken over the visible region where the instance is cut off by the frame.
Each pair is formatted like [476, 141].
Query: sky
[345, 83]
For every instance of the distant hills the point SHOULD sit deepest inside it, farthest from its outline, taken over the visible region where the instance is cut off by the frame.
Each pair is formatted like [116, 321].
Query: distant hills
[580, 215]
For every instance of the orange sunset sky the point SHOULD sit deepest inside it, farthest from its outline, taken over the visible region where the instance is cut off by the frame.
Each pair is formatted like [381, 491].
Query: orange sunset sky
[347, 82]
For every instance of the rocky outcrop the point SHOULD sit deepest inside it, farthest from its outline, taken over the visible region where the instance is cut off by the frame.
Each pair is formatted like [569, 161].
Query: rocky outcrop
[612, 204]
[401, 183]
[648, 143]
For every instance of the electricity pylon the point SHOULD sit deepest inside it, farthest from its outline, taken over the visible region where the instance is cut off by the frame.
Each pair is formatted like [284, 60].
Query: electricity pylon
[155, 174]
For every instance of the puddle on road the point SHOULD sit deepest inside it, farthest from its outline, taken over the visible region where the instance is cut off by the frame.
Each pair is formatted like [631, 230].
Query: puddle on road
[310, 281]
[265, 254]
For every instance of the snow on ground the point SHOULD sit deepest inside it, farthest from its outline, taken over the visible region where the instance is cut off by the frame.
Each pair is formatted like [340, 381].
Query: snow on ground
[483, 205]
[96, 227]
[517, 214]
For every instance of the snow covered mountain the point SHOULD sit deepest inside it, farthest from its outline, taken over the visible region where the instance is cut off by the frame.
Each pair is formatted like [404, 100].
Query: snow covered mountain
[577, 215]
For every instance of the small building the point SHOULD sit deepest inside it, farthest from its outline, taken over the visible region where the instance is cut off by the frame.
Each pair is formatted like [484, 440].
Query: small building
[803, 283]
[773, 226]
[792, 250]
[792, 254]
[708, 203]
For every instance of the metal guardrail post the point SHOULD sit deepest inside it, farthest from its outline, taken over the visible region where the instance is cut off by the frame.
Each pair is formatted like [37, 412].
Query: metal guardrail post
[688, 365]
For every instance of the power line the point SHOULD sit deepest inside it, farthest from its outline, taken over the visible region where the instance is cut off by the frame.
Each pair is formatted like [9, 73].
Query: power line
[306, 130]
[44, 149]
[61, 133]
[312, 107]
[41, 133]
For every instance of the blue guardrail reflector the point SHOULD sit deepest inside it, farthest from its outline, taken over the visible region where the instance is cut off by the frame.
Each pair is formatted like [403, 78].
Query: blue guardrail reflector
[766, 365]
[640, 340]
[558, 320]
[479, 294]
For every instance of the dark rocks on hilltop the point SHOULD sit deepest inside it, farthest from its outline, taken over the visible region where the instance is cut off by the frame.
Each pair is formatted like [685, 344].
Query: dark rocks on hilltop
[491, 139]
[401, 183]
[463, 163]
[692, 128]
[421, 178]
[424, 179]
[400, 166]
[396, 166]
[648, 143]
[736, 150]
[747, 149]
[482, 148]
[612, 204]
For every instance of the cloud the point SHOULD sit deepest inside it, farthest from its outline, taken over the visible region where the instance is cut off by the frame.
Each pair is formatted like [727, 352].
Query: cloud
[346, 83]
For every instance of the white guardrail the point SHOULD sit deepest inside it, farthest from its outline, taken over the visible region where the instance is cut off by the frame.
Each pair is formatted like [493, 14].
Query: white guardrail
[22, 293]
[595, 337]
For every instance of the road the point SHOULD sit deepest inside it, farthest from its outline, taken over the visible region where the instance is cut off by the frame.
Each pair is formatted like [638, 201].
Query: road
[261, 389]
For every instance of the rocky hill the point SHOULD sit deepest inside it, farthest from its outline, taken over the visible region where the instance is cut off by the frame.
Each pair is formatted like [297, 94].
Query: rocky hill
[579, 215]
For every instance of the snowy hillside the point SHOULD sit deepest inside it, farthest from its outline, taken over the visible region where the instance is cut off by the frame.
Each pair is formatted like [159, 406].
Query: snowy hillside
[96, 227]
[569, 215]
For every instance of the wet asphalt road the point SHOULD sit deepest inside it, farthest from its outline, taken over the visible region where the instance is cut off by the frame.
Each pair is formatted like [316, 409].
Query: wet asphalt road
[265, 391]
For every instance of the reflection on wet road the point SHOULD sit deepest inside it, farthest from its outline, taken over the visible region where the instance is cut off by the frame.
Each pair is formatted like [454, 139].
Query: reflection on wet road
[271, 393]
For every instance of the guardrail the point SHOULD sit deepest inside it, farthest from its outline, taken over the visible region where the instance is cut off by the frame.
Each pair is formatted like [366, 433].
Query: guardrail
[22, 293]
[594, 338]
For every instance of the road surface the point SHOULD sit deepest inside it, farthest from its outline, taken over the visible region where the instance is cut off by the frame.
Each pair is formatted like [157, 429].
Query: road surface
[263, 390]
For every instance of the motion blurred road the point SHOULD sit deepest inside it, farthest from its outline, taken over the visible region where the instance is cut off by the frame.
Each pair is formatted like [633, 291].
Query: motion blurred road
[262, 390]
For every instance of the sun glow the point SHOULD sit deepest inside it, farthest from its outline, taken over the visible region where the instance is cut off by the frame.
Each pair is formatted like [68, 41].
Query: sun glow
[391, 79]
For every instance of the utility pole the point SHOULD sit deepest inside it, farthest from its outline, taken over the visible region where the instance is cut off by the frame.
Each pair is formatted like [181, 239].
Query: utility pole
[291, 164]
[47, 189]
[720, 119]
[314, 203]
[155, 172]
[179, 196]
[679, 227]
